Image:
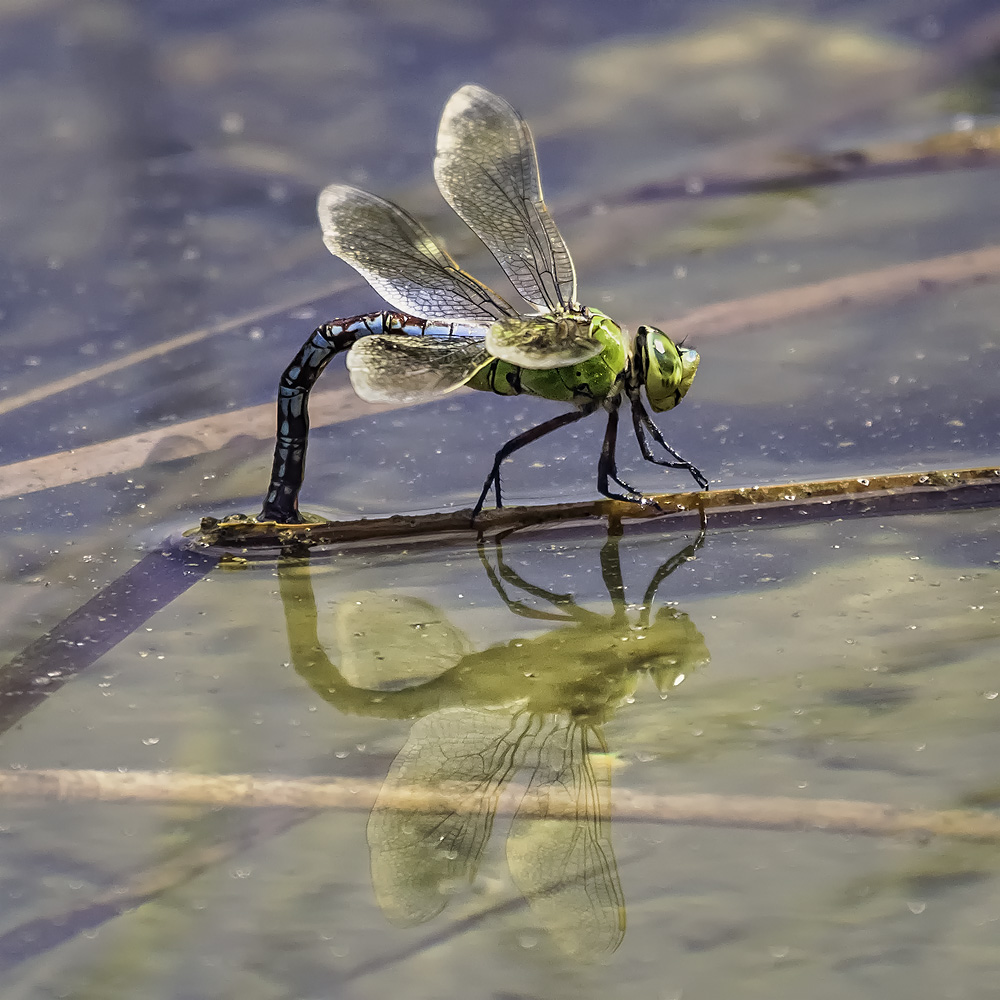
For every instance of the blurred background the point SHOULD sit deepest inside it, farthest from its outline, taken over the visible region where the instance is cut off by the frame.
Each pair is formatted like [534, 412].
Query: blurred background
[162, 263]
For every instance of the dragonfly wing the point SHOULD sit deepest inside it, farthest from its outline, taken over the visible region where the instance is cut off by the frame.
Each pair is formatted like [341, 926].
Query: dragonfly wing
[419, 859]
[564, 866]
[400, 368]
[540, 342]
[398, 257]
[487, 170]
[375, 635]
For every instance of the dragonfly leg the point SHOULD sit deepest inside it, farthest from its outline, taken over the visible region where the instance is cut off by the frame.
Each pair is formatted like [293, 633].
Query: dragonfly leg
[686, 554]
[281, 503]
[533, 434]
[642, 422]
[607, 467]
[504, 574]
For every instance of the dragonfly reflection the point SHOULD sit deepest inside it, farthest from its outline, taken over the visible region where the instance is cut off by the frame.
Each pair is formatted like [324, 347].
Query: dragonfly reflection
[535, 705]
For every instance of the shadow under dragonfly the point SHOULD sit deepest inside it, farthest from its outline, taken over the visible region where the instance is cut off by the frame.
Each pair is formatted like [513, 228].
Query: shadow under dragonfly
[535, 705]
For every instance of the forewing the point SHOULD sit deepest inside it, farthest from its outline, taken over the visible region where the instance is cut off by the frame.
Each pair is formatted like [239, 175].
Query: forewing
[487, 170]
[400, 368]
[399, 258]
[541, 342]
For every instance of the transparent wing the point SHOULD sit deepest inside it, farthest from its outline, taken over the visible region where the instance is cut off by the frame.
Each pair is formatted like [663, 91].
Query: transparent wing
[566, 867]
[543, 341]
[400, 368]
[420, 859]
[487, 170]
[400, 260]
[390, 641]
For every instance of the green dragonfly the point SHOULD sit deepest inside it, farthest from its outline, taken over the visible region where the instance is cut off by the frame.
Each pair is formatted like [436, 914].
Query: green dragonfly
[448, 329]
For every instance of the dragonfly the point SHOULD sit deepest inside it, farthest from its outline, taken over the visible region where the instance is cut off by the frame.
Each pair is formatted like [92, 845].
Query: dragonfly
[447, 329]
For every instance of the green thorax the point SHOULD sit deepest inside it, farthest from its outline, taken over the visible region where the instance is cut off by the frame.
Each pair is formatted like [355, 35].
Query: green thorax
[595, 378]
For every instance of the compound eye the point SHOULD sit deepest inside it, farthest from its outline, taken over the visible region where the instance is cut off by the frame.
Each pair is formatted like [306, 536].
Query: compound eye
[665, 358]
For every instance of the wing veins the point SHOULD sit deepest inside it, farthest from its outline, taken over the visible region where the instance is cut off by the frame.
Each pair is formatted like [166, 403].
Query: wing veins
[483, 141]
[539, 249]
[400, 259]
[404, 368]
[461, 278]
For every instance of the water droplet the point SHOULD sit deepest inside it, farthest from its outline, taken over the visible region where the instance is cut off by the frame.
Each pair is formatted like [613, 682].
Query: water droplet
[527, 941]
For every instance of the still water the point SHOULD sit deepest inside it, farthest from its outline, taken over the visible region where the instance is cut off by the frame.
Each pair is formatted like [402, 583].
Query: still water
[164, 264]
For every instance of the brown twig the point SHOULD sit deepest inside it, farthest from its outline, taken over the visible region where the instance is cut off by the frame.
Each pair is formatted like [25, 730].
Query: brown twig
[871, 494]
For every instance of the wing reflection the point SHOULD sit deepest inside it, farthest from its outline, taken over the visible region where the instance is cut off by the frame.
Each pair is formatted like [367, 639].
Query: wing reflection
[420, 860]
[534, 706]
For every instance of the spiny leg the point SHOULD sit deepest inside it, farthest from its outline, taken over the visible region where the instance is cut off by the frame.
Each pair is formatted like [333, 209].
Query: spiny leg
[533, 434]
[607, 467]
[641, 422]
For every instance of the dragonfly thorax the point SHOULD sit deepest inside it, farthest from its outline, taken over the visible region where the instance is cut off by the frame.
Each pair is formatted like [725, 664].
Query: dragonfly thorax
[546, 340]
[595, 378]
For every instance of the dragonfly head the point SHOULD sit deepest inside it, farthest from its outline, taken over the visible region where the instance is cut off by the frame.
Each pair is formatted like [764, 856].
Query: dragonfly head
[666, 369]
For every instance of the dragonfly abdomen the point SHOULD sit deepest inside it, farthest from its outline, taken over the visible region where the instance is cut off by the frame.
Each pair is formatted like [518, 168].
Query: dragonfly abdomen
[397, 322]
[340, 334]
[327, 341]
